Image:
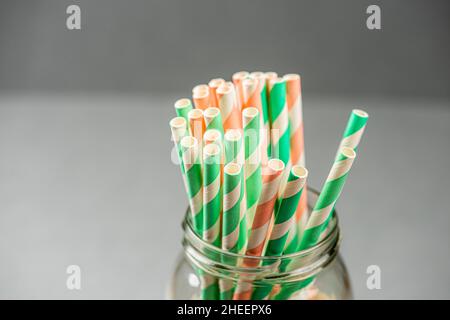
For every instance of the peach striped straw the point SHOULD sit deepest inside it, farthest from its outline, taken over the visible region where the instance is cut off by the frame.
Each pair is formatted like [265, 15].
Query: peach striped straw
[295, 108]
[197, 126]
[200, 87]
[213, 85]
[200, 96]
[271, 176]
[270, 76]
[231, 116]
[237, 78]
[253, 87]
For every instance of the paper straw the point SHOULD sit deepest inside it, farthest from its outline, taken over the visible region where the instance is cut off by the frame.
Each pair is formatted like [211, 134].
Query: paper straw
[214, 84]
[231, 116]
[252, 169]
[284, 219]
[213, 119]
[234, 153]
[354, 130]
[200, 96]
[211, 194]
[254, 95]
[330, 193]
[237, 78]
[271, 178]
[285, 216]
[279, 120]
[320, 217]
[294, 103]
[199, 88]
[192, 167]
[182, 108]
[232, 197]
[212, 136]
[178, 128]
[197, 125]
[233, 147]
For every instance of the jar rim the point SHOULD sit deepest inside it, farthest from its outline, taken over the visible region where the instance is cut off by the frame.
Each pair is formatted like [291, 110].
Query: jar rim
[330, 239]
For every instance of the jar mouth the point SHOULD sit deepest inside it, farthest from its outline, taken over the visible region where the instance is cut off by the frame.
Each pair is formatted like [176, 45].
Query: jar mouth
[210, 256]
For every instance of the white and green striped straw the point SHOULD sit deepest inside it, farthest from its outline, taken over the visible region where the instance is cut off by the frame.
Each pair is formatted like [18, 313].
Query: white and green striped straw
[252, 165]
[213, 119]
[193, 172]
[211, 194]
[212, 199]
[320, 217]
[233, 239]
[328, 197]
[234, 153]
[182, 108]
[284, 219]
[354, 130]
[279, 121]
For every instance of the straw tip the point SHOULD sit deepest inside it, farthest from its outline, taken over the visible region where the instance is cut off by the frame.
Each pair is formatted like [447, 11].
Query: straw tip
[348, 152]
[211, 135]
[360, 113]
[216, 82]
[240, 75]
[232, 168]
[177, 122]
[291, 76]
[211, 150]
[233, 135]
[299, 171]
[275, 165]
[250, 112]
[200, 88]
[195, 114]
[182, 103]
[211, 112]
[188, 142]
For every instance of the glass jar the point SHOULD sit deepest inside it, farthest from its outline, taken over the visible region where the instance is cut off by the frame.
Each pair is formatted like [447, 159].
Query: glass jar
[204, 271]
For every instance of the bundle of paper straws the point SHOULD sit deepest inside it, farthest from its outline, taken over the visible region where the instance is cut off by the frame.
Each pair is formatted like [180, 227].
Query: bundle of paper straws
[241, 153]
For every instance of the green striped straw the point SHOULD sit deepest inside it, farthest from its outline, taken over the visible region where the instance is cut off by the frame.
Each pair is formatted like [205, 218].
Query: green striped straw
[178, 127]
[182, 108]
[354, 130]
[193, 171]
[211, 194]
[211, 212]
[279, 121]
[233, 147]
[284, 219]
[213, 119]
[252, 164]
[233, 239]
[320, 216]
[234, 153]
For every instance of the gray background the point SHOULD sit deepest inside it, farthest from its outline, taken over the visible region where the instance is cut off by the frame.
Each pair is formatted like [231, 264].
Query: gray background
[85, 171]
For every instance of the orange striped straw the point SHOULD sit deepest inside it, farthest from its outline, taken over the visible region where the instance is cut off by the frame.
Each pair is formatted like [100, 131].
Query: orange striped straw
[237, 78]
[271, 176]
[200, 96]
[213, 85]
[253, 88]
[294, 103]
[269, 77]
[231, 116]
[197, 124]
